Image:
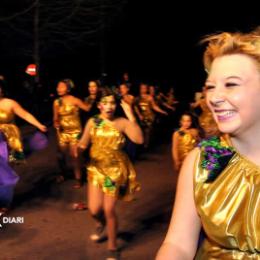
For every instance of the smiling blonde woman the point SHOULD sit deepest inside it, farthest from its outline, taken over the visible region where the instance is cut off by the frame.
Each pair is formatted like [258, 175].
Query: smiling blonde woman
[219, 183]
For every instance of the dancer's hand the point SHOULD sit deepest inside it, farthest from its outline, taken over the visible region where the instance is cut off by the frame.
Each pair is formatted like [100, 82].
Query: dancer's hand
[43, 128]
[128, 111]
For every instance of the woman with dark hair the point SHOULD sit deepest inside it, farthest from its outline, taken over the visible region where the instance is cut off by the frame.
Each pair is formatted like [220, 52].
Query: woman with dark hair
[94, 87]
[111, 175]
[145, 108]
[66, 120]
[184, 140]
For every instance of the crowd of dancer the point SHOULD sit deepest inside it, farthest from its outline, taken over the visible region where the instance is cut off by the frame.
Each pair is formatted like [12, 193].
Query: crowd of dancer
[215, 151]
[114, 123]
[218, 182]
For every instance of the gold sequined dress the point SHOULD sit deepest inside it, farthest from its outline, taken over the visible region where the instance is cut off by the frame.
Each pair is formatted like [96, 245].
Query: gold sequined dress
[110, 168]
[207, 121]
[229, 210]
[146, 111]
[70, 129]
[186, 142]
[11, 134]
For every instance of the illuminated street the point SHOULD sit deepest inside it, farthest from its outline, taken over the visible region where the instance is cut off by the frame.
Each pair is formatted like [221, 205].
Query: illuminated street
[52, 230]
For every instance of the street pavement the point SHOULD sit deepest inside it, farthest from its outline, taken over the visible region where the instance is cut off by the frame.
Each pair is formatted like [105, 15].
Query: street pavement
[53, 230]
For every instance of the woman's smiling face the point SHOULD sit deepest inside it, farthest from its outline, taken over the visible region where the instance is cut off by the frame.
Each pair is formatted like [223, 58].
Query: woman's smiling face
[233, 93]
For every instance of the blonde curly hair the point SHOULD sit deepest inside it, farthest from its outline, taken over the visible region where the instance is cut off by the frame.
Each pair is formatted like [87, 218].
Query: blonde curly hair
[232, 43]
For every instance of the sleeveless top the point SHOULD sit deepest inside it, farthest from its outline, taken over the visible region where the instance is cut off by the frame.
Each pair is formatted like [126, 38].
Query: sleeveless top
[227, 198]
[70, 125]
[110, 168]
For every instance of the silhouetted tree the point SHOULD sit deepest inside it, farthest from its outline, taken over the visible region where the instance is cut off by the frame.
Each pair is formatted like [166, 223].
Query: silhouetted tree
[44, 27]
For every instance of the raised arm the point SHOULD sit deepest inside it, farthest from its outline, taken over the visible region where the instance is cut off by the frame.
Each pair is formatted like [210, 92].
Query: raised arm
[183, 233]
[130, 126]
[25, 115]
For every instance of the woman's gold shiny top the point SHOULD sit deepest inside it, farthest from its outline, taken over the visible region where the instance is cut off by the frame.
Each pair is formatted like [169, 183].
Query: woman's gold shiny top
[146, 110]
[108, 161]
[229, 210]
[11, 133]
[186, 142]
[207, 121]
[69, 120]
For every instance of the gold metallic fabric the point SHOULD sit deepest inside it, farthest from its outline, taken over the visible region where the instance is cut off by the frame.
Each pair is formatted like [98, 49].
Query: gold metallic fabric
[10, 131]
[146, 111]
[108, 160]
[70, 126]
[229, 210]
[186, 142]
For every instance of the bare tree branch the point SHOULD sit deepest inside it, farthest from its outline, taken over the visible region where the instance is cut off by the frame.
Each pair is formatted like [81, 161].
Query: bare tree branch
[61, 24]
[11, 17]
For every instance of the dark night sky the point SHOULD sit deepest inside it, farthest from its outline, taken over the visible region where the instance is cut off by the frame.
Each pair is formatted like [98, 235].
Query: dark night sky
[153, 40]
[164, 46]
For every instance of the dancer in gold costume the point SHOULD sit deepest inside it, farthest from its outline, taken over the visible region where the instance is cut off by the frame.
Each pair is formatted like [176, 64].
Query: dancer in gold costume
[145, 106]
[206, 120]
[9, 108]
[218, 187]
[10, 135]
[67, 122]
[111, 175]
[183, 140]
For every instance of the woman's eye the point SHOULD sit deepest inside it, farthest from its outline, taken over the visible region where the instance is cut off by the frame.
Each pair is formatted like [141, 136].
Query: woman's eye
[231, 84]
[209, 87]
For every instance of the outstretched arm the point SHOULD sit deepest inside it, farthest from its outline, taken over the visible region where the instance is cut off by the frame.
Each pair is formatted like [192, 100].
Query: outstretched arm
[185, 223]
[82, 105]
[157, 108]
[25, 115]
[168, 106]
